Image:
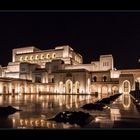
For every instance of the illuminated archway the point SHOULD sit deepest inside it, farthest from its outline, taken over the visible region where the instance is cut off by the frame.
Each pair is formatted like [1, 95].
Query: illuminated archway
[48, 56]
[5, 89]
[126, 86]
[42, 56]
[68, 86]
[115, 89]
[104, 91]
[53, 55]
[36, 57]
[77, 87]
[26, 58]
[22, 90]
[61, 88]
[21, 59]
[94, 89]
[31, 58]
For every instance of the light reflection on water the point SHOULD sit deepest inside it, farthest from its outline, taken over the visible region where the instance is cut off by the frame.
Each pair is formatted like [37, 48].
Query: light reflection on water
[38, 108]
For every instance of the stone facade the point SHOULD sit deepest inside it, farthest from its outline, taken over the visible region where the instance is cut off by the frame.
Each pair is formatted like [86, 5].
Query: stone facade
[61, 70]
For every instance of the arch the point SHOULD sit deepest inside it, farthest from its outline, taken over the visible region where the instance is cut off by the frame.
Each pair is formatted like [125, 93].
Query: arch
[104, 91]
[48, 56]
[68, 86]
[95, 79]
[4, 89]
[94, 89]
[53, 55]
[26, 58]
[104, 78]
[77, 87]
[126, 86]
[36, 57]
[31, 57]
[21, 59]
[115, 89]
[61, 88]
[22, 90]
[42, 56]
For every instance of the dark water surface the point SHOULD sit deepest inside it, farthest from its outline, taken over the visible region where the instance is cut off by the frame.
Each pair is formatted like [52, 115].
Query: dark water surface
[38, 108]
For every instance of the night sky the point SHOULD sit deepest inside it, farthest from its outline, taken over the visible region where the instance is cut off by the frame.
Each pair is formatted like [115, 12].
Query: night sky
[89, 33]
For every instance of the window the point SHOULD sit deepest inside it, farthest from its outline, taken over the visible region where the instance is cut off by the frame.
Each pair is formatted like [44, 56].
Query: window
[31, 58]
[26, 58]
[48, 56]
[105, 63]
[94, 79]
[21, 59]
[53, 55]
[104, 78]
[42, 56]
[36, 57]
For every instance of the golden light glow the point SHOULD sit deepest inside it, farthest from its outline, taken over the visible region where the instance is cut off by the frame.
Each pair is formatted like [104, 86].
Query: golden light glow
[48, 56]
[69, 85]
[36, 57]
[53, 55]
[31, 58]
[42, 56]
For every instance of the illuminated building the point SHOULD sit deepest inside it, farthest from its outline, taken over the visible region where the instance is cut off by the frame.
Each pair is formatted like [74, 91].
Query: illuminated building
[61, 70]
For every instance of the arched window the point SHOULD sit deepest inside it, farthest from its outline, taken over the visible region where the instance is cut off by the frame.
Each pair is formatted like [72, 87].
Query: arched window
[31, 58]
[69, 86]
[21, 59]
[36, 57]
[26, 58]
[53, 55]
[94, 79]
[42, 56]
[104, 78]
[48, 56]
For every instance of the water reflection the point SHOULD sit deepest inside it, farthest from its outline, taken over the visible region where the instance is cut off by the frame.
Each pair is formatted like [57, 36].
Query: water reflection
[38, 108]
[126, 101]
[35, 123]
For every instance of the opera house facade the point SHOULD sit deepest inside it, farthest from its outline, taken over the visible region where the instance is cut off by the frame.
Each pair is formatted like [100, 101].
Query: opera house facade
[61, 71]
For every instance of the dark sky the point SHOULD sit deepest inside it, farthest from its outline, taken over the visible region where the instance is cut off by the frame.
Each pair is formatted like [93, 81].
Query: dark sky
[89, 33]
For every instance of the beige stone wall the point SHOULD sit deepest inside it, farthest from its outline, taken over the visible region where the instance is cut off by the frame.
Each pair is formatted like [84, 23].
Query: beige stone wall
[16, 86]
[42, 56]
[106, 62]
